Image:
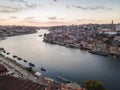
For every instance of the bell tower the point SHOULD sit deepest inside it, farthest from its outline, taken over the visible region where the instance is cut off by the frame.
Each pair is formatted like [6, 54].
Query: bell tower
[112, 27]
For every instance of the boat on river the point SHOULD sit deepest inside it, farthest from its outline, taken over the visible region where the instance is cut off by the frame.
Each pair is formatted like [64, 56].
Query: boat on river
[98, 52]
[19, 58]
[25, 60]
[7, 53]
[40, 35]
[14, 56]
[42, 69]
[64, 79]
[30, 64]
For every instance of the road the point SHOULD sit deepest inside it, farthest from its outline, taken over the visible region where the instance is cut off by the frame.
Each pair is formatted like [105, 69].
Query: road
[20, 71]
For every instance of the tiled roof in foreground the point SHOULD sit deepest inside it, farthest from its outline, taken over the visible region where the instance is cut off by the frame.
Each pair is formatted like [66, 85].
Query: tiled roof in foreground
[2, 68]
[13, 83]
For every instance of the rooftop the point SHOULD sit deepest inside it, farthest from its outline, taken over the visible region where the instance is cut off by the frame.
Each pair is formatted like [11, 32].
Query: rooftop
[2, 68]
[14, 83]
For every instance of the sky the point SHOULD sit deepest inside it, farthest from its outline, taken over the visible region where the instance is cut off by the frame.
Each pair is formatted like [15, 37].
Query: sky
[58, 12]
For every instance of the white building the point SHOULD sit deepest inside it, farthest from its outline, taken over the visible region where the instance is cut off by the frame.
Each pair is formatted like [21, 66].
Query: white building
[118, 27]
[110, 33]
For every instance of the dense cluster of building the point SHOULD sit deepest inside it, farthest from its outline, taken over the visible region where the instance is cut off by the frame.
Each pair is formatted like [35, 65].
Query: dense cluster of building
[68, 86]
[102, 39]
[16, 30]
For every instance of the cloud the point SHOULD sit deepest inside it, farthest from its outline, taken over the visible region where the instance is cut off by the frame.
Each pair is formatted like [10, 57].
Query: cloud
[51, 3]
[89, 7]
[20, 5]
[30, 6]
[67, 6]
[13, 17]
[26, 3]
[49, 23]
[3, 19]
[52, 18]
[85, 20]
[8, 9]
[29, 18]
[61, 18]
[21, 1]
[55, 0]
[55, 18]
[79, 20]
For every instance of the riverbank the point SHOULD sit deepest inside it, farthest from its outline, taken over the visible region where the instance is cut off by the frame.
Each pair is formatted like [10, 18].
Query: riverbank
[18, 70]
[90, 50]
[83, 39]
[7, 31]
[21, 71]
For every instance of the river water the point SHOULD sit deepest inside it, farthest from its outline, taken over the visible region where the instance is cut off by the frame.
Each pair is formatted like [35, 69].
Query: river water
[72, 64]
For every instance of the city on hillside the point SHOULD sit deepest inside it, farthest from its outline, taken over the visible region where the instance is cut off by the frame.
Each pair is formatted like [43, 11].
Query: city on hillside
[98, 39]
[59, 44]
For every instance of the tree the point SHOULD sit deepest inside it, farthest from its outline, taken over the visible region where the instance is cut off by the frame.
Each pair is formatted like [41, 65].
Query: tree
[94, 85]
[30, 69]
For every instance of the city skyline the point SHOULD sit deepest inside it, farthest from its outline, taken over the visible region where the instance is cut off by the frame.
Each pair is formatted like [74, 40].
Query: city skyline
[58, 12]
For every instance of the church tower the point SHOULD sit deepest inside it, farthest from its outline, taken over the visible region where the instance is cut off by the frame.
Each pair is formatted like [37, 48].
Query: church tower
[112, 27]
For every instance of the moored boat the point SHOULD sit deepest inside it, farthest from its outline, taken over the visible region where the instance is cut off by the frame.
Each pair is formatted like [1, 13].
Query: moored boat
[30, 64]
[98, 52]
[40, 35]
[42, 69]
[19, 58]
[25, 60]
[7, 53]
[14, 56]
[64, 79]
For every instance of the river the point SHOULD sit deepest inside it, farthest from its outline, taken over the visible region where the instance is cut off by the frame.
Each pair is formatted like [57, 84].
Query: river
[73, 64]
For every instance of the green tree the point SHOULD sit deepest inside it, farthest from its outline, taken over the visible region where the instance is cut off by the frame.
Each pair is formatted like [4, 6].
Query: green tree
[30, 69]
[94, 85]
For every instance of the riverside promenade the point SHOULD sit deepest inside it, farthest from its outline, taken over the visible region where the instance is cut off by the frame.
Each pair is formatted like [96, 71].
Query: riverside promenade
[20, 71]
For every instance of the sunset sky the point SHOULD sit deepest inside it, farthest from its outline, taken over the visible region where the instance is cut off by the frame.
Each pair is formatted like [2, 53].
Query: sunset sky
[58, 12]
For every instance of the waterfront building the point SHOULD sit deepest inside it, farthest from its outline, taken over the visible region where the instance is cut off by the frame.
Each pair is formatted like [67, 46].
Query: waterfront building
[61, 86]
[117, 38]
[118, 27]
[71, 86]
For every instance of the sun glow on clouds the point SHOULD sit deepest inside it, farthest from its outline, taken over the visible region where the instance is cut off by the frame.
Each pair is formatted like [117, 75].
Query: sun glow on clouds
[58, 12]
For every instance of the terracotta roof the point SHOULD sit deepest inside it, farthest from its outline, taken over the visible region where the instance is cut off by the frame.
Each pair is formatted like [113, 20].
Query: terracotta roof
[73, 85]
[2, 68]
[14, 83]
